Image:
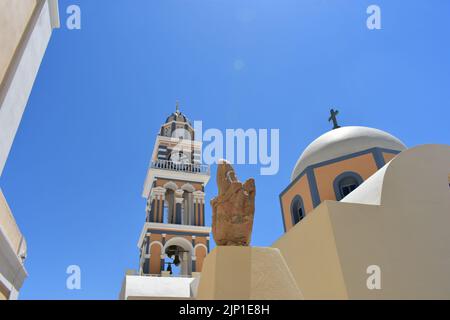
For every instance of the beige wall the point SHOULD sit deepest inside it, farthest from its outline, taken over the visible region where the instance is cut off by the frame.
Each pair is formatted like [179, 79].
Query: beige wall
[14, 17]
[9, 227]
[4, 293]
[310, 252]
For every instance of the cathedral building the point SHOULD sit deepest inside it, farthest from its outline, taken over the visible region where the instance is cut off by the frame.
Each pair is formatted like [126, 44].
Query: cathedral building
[367, 218]
[364, 217]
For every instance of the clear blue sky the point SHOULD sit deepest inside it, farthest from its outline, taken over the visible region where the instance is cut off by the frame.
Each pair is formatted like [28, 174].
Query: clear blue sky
[75, 173]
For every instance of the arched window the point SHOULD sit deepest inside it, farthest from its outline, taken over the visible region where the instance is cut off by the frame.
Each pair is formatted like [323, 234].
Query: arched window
[346, 183]
[297, 209]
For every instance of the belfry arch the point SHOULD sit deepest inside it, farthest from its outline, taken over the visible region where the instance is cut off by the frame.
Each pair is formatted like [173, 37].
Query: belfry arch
[183, 248]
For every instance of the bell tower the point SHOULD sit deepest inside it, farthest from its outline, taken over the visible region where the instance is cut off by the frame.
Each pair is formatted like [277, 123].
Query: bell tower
[174, 233]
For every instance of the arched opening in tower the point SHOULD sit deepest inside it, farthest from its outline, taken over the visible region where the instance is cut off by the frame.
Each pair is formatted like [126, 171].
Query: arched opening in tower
[178, 261]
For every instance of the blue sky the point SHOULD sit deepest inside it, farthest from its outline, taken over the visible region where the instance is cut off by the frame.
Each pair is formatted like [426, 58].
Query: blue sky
[75, 173]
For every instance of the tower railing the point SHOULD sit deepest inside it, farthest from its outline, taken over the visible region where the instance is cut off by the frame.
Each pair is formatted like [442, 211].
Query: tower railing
[181, 167]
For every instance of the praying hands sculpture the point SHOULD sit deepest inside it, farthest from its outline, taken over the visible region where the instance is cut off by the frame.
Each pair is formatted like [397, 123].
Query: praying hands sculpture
[233, 208]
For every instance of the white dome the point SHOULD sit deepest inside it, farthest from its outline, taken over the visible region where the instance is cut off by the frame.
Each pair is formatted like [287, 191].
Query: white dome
[344, 141]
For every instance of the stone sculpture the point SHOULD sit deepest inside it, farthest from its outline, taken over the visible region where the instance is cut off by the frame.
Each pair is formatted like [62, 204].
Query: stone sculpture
[233, 208]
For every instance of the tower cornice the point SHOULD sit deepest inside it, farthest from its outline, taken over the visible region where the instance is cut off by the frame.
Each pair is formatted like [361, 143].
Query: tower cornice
[171, 228]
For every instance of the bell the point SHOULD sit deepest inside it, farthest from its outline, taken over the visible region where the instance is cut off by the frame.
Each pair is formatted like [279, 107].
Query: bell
[176, 260]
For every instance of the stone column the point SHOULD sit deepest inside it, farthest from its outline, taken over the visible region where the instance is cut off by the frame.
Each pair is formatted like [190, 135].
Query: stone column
[195, 222]
[199, 203]
[178, 206]
[151, 210]
[156, 199]
[188, 208]
[163, 254]
[170, 207]
[202, 208]
[194, 258]
[178, 210]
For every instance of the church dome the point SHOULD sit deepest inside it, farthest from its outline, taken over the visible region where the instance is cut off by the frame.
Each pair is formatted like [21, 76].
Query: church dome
[344, 141]
[177, 116]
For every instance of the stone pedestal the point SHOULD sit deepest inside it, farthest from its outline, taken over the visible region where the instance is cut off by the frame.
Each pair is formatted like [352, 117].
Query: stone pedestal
[246, 273]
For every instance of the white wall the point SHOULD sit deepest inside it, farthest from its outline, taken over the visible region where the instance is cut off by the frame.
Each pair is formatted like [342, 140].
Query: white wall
[144, 287]
[18, 87]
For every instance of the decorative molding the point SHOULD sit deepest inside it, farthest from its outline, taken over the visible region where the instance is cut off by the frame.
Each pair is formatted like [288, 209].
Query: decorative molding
[185, 142]
[199, 197]
[159, 228]
[158, 193]
[188, 187]
[158, 243]
[314, 190]
[171, 185]
[379, 158]
[179, 192]
[154, 173]
[179, 200]
[200, 245]
[179, 227]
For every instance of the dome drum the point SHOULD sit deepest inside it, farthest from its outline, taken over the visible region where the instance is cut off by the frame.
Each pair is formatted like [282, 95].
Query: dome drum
[334, 165]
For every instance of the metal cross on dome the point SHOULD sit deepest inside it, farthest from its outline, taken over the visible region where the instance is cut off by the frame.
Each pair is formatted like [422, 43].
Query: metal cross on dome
[333, 118]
